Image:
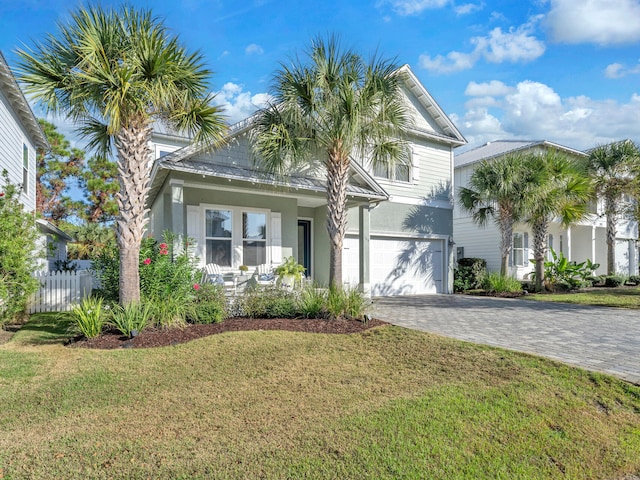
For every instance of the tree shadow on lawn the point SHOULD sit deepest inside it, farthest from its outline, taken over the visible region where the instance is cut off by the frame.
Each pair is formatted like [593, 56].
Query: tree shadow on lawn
[44, 329]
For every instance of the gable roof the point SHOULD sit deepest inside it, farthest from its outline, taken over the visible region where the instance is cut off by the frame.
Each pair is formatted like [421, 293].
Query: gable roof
[451, 133]
[184, 159]
[502, 147]
[9, 86]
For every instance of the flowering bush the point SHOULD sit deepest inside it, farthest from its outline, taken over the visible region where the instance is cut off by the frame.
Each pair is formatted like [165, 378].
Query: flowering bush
[166, 269]
[17, 253]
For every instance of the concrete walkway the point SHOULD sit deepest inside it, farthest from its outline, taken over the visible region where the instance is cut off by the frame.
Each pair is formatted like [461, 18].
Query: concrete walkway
[595, 338]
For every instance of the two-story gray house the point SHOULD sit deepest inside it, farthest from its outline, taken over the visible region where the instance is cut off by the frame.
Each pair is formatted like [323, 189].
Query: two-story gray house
[400, 221]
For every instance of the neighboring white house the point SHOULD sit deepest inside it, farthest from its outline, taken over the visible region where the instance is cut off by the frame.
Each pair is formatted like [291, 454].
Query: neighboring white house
[582, 241]
[20, 136]
[399, 221]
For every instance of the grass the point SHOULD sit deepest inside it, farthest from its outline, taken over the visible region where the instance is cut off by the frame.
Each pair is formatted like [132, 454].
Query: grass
[628, 297]
[388, 403]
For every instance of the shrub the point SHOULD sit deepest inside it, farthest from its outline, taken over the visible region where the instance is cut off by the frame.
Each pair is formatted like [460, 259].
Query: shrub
[561, 274]
[343, 302]
[170, 311]
[634, 280]
[494, 282]
[106, 266]
[312, 302]
[132, 318]
[210, 304]
[166, 269]
[613, 281]
[267, 302]
[18, 236]
[88, 316]
[469, 274]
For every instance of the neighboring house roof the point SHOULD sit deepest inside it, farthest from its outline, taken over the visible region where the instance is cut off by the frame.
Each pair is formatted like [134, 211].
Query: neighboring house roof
[502, 147]
[451, 133]
[50, 229]
[19, 103]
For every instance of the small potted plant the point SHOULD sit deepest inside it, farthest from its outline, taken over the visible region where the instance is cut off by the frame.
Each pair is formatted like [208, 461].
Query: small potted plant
[289, 272]
[243, 269]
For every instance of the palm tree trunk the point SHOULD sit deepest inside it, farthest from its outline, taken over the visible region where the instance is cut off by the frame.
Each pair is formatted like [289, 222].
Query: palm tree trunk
[337, 180]
[540, 228]
[610, 212]
[134, 168]
[506, 238]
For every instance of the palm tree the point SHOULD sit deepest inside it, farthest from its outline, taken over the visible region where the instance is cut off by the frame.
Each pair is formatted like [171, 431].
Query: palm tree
[498, 189]
[559, 189]
[327, 110]
[115, 72]
[610, 168]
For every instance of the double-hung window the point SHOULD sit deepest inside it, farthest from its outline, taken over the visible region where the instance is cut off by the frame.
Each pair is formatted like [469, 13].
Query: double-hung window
[399, 172]
[219, 237]
[254, 238]
[520, 249]
[25, 168]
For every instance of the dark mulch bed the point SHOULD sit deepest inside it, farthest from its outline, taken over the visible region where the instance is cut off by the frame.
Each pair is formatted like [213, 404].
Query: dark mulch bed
[173, 336]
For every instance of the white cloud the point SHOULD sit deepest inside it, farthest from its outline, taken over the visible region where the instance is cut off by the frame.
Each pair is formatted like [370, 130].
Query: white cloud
[534, 111]
[602, 22]
[468, 8]
[238, 104]
[618, 70]
[413, 7]
[492, 88]
[453, 62]
[254, 49]
[516, 45]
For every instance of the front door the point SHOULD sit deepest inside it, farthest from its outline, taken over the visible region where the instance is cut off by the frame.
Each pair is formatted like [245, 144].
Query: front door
[304, 245]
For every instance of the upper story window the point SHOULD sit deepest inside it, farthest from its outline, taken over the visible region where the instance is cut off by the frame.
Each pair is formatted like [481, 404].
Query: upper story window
[400, 172]
[25, 168]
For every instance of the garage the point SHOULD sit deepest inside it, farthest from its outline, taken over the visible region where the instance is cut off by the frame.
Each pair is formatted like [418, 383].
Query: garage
[398, 266]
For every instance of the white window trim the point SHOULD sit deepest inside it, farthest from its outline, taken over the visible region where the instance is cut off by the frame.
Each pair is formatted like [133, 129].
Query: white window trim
[25, 169]
[392, 172]
[160, 147]
[236, 231]
[525, 250]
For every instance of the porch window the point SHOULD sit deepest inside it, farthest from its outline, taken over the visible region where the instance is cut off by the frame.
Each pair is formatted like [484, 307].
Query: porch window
[520, 249]
[254, 238]
[219, 236]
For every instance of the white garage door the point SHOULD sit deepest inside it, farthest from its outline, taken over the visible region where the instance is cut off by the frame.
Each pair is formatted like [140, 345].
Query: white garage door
[398, 266]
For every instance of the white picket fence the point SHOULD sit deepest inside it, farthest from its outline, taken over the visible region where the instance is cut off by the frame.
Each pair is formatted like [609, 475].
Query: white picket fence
[60, 290]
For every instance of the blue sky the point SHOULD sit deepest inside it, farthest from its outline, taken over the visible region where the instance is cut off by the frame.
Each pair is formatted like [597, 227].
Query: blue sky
[561, 70]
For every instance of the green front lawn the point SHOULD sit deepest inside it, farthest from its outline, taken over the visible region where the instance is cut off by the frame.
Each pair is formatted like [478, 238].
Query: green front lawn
[388, 403]
[627, 297]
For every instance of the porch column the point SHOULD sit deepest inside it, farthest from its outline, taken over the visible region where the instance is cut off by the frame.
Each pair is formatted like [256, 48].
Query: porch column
[177, 208]
[593, 244]
[569, 244]
[364, 240]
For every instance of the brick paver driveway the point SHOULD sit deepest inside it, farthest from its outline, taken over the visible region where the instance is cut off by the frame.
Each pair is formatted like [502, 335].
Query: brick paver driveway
[595, 338]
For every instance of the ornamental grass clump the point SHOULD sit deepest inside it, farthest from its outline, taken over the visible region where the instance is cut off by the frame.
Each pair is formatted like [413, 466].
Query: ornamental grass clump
[312, 302]
[345, 302]
[88, 317]
[132, 318]
[496, 283]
